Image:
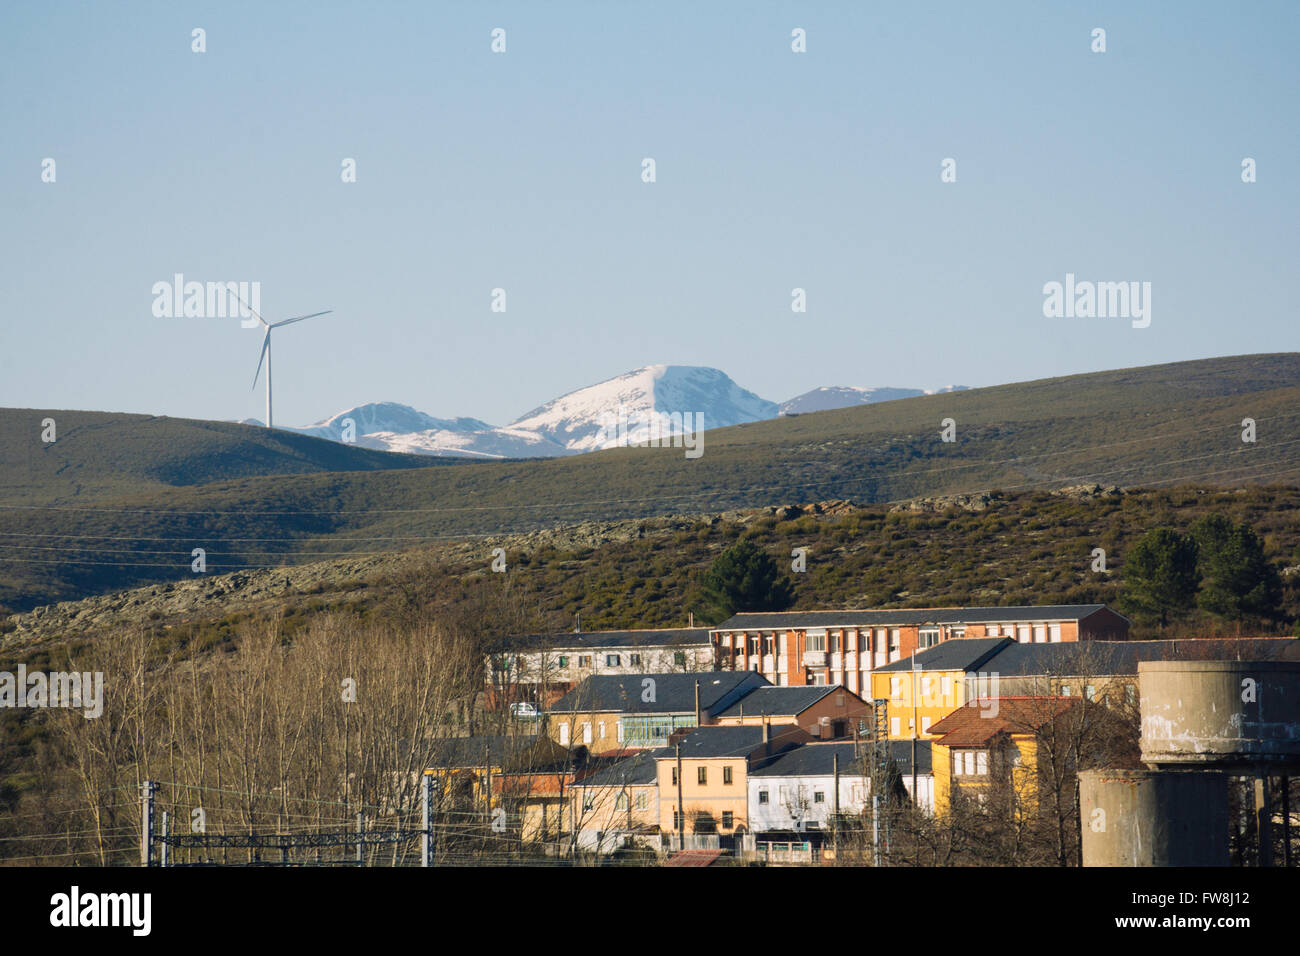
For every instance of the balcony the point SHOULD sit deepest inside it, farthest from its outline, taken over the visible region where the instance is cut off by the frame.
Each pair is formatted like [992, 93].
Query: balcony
[814, 658]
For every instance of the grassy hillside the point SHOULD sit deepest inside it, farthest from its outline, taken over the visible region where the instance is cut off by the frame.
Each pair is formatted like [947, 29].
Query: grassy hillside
[1154, 426]
[101, 455]
[1030, 547]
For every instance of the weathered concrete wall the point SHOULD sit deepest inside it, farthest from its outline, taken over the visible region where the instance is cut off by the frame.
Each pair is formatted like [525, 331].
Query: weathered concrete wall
[1220, 713]
[1154, 818]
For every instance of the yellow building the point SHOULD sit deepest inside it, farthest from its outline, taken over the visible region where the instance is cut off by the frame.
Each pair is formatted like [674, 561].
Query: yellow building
[923, 689]
[989, 749]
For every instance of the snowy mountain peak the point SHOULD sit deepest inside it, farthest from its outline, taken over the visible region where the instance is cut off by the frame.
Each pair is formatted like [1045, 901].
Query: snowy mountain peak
[679, 397]
[576, 420]
[387, 417]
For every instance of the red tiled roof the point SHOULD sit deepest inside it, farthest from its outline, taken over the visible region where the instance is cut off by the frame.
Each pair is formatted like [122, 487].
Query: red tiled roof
[693, 858]
[979, 721]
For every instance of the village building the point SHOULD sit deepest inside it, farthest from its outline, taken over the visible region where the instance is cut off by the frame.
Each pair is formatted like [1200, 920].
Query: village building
[624, 712]
[541, 668]
[794, 648]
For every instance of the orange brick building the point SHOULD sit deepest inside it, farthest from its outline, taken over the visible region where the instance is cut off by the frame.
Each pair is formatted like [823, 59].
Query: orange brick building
[794, 648]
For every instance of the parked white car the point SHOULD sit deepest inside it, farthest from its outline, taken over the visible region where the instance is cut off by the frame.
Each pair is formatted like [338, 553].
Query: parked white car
[523, 710]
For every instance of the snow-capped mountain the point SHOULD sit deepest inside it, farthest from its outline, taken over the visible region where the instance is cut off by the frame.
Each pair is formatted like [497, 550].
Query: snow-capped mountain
[844, 396]
[388, 426]
[587, 419]
[582, 420]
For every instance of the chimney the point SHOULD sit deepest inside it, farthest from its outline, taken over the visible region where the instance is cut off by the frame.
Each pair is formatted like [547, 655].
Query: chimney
[692, 618]
[767, 738]
[698, 719]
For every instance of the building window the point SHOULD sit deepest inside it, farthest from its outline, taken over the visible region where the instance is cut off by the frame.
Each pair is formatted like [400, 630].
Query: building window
[586, 732]
[641, 801]
[1022, 633]
[620, 731]
[894, 727]
[839, 700]
[895, 644]
[1065, 690]
[564, 662]
[895, 688]
[762, 796]
[1054, 633]
[945, 686]
[588, 801]
[819, 796]
[611, 660]
[634, 659]
[925, 725]
[726, 819]
[816, 642]
[584, 660]
[676, 821]
[927, 637]
[620, 802]
[701, 775]
[726, 775]
[601, 725]
[1130, 693]
[1089, 691]
[981, 762]
[564, 735]
[1040, 633]
[958, 631]
[679, 658]
[674, 777]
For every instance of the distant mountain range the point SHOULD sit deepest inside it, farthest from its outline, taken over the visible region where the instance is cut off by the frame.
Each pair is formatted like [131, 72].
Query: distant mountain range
[578, 422]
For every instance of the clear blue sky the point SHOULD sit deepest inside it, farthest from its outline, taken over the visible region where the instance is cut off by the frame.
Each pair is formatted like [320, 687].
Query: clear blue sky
[522, 171]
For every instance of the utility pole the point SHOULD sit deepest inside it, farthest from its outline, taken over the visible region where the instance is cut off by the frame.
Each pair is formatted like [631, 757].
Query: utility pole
[426, 808]
[835, 809]
[916, 728]
[147, 790]
[681, 813]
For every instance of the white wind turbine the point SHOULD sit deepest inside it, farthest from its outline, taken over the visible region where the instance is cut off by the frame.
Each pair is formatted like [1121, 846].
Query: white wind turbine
[266, 352]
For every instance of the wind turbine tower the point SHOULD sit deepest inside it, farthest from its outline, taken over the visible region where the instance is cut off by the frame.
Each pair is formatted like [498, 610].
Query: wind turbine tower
[266, 352]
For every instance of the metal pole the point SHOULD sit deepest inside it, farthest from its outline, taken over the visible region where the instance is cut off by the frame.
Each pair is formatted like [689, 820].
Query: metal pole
[1264, 818]
[166, 830]
[681, 812]
[426, 806]
[146, 822]
[361, 826]
[1286, 821]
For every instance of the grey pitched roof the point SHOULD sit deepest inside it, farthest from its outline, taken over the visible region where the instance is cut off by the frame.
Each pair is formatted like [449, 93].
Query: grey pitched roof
[907, 616]
[1122, 657]
[638, 770]
[674, 693]
[818, 760]
[956, 654]
[737, 741]
[584, 640]
[773, 701]
[469, 751]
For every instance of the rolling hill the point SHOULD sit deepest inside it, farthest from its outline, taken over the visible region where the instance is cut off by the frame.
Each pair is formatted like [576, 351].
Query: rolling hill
[65, 534]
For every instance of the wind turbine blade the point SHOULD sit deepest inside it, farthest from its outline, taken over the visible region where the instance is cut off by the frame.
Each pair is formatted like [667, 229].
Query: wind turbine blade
[250, 309]
[266, 344]
[299, 318]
